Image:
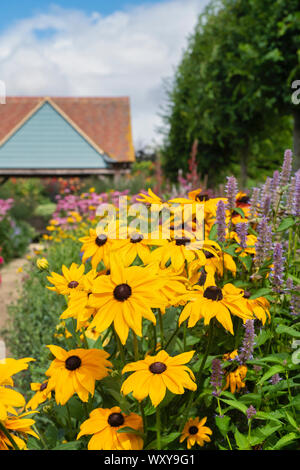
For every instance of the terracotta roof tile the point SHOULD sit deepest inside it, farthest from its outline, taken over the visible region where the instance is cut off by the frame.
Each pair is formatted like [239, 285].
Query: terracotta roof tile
[106, 121]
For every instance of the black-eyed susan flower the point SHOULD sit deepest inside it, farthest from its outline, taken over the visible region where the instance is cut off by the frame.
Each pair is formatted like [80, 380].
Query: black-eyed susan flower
[76, 371]
[155, 374]
[104, 424]
[195, 432]
[71, 279]
[42, 393]
[124, 297]
[259, 306]
[19, 427]
[235, 379]
[10, 398]
[214, 302]
[98, 246]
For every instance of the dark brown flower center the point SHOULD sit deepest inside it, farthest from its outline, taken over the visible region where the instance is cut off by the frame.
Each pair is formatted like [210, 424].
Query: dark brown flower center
[115, 420]
[243, 200]
[247, 294]
[101, 240]
[43, 386]
[213, 293]
[202, 197]
[73, 362]
[193, 430]
[182, 241]
[157, 367]
[122, 292]
[136, 238]
[73, 284]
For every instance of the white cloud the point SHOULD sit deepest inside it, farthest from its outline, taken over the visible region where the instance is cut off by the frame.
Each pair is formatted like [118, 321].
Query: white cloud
[128, 53]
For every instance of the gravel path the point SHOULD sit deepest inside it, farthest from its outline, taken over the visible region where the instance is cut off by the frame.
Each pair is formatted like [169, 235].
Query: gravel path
[9, 290]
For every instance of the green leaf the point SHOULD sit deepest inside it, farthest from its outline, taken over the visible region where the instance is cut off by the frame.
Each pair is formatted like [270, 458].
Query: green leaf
[223, 424]
[292, 421]
[235, 404]
[261, 293]
[127, 429]
[286, 224]
[285, 440]
[165, 440]
[241, 440]
[72, 445]
[240, 211]
[272, 371]
[288, 330]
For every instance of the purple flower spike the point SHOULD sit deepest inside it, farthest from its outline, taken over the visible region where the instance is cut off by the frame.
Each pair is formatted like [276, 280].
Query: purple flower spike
[286, 168]
[216, 376]
[242, 232]
[296, 202]
[254, 202]
[277, 271]
[231, 191]
[263, 245]
[246, 351]
[251, 412]
[221, 221]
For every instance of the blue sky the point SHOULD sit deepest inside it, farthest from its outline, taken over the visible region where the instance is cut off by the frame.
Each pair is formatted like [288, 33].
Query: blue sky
[16, 10]
[97, 48]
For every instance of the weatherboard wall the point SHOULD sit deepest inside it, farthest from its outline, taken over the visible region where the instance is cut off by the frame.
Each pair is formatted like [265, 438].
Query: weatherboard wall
[48, 140]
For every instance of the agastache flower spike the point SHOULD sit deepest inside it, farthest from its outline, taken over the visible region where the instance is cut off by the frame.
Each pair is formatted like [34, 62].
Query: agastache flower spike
[216, 376]
[231, 191]
[221, 221]
[254, 202]
[286, 168]
[242, 231]
[246, 351]
[251, 412]
[263, 245]
[275, 189]
[296, 204]
[277, 271]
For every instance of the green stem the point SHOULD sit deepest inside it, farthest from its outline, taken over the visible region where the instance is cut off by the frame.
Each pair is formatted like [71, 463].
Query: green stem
[8, 435]
[158, 429]
[154, 338]
[120, 347]
[172, 337]
[199, 374]
[160, 319]
[135, 347]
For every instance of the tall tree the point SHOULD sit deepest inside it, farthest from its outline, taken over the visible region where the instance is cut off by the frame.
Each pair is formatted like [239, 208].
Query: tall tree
[232, 90]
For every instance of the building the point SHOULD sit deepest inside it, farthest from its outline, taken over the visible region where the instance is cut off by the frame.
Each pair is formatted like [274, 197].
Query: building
[65, 136]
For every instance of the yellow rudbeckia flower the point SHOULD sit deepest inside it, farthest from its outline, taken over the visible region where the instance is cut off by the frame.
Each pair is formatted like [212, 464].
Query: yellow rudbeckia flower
[76, 371]
[195, 432]
[104, 424]
[155, 374]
